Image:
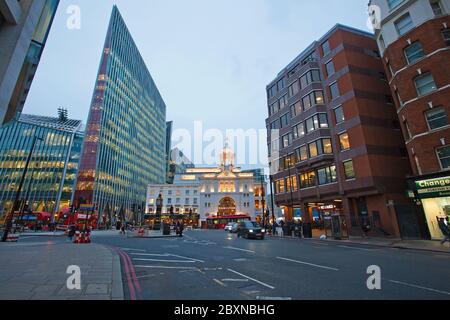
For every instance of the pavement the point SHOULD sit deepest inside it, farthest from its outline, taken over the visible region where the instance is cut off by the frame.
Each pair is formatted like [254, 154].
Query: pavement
[35, 269]
[421, 245]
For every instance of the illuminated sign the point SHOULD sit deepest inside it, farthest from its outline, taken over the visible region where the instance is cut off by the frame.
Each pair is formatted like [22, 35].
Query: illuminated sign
[433, 188]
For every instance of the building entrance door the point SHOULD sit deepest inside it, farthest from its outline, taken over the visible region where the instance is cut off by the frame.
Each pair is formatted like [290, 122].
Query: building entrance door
[227, 207]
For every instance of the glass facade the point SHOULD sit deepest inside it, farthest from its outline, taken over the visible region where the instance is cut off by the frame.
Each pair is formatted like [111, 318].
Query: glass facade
[50, 179]
[124, 146]
[32, 59]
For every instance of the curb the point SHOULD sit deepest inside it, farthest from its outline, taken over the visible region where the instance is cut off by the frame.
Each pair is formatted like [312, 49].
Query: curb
[117, 292]
[41, 235]
[370, 244]
[152, 237]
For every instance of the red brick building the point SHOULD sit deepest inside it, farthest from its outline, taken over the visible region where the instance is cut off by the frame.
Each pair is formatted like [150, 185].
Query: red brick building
[336, 149]
[414, 38]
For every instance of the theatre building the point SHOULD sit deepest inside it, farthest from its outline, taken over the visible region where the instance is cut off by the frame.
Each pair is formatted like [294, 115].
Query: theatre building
[414, 40]
[210, 197]
[335, 142]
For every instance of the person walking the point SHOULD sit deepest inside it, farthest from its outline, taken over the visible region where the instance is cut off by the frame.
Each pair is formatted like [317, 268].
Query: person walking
[445, 229]
[72, 231]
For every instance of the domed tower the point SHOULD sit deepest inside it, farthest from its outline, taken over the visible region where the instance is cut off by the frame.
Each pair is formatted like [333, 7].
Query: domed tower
[227, 158]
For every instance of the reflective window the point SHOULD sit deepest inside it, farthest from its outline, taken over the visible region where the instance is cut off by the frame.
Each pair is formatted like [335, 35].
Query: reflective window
[414, 52]
[349, 170]
[444, 157]
[436, 118]
[339, 114]
[425, 84]
[404, 24]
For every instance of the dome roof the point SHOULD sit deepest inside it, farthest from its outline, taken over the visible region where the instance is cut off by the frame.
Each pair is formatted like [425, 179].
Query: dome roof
[227, 156]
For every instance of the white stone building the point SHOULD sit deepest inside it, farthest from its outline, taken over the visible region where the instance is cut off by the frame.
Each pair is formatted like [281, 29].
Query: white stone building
[211, 192]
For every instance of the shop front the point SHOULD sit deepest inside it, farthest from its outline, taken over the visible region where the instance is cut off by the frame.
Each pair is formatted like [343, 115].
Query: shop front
[433, 192]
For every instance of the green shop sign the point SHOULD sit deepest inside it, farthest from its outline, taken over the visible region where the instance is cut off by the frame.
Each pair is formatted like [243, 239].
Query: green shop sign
[433, 188]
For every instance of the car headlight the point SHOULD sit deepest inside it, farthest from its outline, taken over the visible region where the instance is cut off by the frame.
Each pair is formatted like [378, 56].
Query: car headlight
[263, 230]
[251, 231]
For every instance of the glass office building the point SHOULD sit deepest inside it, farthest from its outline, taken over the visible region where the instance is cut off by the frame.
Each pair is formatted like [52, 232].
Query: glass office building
[124, 146]
[24, 29]
[51, 175]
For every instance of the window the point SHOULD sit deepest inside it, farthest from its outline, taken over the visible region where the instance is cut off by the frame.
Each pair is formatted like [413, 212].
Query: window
[414, 52]
[186, 201]
[316, 122]
[349, 170]
[320, 147]
[339, 115]
[311, 57]
[344, 141]
[394, 3]
[436, 6]
[334, 91]
[299, 131]
[307, 180]
[187, 192]
[326, 48]
[404, 24]
[292, 71]
[274, 108]
[444, 157]
[330, 68]
[296, 109]
[282, 102]
[275, 125]
[281, 84]
[301, 154]
[327, 175]
[281, 186]
[425, 84]
[312, 99]
[436, 118]
[446, 35]
[287, 140]
[294, 89]
[309, 77]
[284, 120]
[272, 92]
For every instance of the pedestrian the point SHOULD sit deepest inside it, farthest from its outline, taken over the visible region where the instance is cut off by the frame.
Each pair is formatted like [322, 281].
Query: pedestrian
[445, 229]
[122, 229]
[71, 233]
[365, 226]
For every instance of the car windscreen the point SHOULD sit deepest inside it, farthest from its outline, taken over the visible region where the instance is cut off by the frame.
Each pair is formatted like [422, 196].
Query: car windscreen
[256, 225]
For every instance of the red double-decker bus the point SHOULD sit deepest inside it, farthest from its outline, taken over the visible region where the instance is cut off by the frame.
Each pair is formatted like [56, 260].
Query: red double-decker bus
[221, 221]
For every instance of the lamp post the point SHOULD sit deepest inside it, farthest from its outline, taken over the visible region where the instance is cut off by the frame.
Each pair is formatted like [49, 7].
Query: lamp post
[10, 216]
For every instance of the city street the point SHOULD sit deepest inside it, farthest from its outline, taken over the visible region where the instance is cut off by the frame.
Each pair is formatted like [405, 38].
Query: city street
[210, 265]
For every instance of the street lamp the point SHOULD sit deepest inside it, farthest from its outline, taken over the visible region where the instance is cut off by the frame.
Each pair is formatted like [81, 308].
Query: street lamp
[10, 216]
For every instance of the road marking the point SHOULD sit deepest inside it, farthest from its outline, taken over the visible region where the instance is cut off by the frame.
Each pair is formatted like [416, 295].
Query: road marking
[219, 282]
[166, 267]
[181, 257]
[150, 254]
[128, 249]
[239, 249]
[308, 264]
[240, 260]
[254, 280]
[235, 280]
[355, 248]
[274, 298]
[159, 260]
[419, 287]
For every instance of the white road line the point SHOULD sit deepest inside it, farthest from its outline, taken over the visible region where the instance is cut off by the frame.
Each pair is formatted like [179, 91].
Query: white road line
[308, 264]
[355, 248]
[128, 249]
[419, 287]
[219, 282]
[239, 249]
[274, 298]
[150, 254]
[254, 280]
[166, 267]
[234, 280]
[169, 261]
[181, 257]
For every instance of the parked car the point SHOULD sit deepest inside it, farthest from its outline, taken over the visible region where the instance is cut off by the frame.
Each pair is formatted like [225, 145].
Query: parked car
[251, 229]
[231, 227]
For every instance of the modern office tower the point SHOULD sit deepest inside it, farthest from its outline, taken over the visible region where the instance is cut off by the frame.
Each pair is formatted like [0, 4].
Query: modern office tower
[50, 179]
[333, 130]
[24, 28]
[169, 128]
[124, 146]
[414, 39]
[178, 164]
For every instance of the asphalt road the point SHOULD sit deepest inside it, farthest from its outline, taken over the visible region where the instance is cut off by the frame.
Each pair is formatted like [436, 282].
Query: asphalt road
[215, 265]
[210, 265]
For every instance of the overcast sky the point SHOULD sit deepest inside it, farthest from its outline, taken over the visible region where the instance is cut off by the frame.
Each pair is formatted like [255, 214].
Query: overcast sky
[211, 59]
